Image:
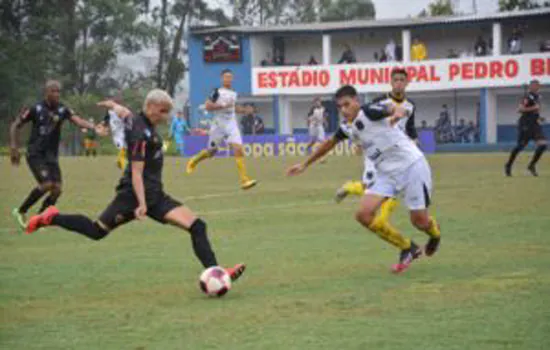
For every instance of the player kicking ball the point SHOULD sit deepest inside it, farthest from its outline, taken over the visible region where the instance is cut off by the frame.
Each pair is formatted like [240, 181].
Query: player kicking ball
[396, 97]
[401, 168]
[224, 127]
[140, 192]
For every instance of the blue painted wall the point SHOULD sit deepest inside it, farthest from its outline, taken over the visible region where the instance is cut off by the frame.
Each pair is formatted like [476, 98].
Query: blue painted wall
[203, 76]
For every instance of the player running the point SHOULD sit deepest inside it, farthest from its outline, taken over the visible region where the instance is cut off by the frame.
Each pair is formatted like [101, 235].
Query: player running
[47, 117]
[529, 128]
[224, 127]
[316, 121]
[406, 124]
[140, 191]
[401, 168]
[115, 124]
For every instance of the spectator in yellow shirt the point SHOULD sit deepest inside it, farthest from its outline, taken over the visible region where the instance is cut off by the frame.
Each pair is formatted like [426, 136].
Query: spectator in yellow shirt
[419, 52]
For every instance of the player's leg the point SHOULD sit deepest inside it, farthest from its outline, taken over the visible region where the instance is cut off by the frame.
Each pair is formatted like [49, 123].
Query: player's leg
[40, 172]
[235, 141]
[169, 210]
[56, 186]
[541, 145]
[358, 187]
[417, 197]
[523, 140]
[119, 212]
[215, 136]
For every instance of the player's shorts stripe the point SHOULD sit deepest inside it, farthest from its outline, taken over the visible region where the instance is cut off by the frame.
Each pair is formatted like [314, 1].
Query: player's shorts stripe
[426, 196]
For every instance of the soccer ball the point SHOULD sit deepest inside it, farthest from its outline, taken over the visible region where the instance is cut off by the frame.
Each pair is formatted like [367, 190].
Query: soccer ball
[215, 281]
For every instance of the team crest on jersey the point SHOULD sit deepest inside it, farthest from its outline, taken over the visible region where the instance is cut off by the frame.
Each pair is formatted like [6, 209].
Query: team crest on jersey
[359, 125]
[44, 173]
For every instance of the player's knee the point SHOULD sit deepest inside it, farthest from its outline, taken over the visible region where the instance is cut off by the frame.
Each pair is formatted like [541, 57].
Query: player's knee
[46, 186]
[198, 228]
[365, 217]
[56, 190]
[99, 232]
[420, 220]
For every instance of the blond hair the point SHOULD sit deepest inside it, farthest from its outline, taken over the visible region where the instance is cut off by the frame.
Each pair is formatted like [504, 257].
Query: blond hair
[158, 96]
[50, 83]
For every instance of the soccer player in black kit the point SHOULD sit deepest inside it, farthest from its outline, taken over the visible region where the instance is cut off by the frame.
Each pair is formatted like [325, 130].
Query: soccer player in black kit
[47, 118]
[529, 128]
[140, 191]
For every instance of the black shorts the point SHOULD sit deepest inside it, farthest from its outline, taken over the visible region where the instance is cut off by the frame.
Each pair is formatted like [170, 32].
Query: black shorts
[44, 170]
[531, 131]
[121, 209]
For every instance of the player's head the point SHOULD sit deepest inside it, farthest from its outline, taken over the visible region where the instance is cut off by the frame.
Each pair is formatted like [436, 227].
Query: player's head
[347, 102]
[227, 78]
[157, 106]
[399, 81]
[52, 89]
[534, 86]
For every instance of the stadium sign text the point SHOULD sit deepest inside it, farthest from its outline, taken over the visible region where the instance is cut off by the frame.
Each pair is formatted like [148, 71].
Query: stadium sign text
[425, 76]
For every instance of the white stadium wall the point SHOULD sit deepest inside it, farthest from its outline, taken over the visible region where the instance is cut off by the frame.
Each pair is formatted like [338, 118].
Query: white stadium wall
[260, 46]
[364, 43]
[299, 48]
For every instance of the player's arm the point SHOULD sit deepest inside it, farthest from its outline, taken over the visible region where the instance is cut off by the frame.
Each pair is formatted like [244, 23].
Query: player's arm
[212, 104]
[138, 146]
[21, 119]
[523, 108]
[120, 110]
[410, 127]
[320, 152]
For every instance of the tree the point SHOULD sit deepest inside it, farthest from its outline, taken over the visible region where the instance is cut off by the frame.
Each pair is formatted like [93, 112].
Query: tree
[345, 10]
[515, 5]
[438, 8]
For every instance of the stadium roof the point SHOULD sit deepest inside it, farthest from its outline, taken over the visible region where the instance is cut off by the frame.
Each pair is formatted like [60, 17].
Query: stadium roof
[365, 24]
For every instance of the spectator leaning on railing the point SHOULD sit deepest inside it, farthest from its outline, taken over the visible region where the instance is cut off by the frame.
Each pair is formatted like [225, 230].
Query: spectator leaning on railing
[480, 47]
[389, 50]
[419, 52]
[348, 56]
[515, 42]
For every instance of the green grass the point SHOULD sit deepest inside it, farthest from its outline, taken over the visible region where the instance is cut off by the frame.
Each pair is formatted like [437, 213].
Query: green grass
[316, 279]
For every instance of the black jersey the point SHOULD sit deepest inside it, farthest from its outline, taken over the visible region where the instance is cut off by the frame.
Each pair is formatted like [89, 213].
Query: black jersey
[530, 100]
[46, 129]
[144, 145]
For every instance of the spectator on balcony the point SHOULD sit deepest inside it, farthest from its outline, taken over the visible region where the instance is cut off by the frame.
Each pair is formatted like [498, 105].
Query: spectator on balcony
[444, 127]
[312, 61]
[545, 46]
[419, 52]
[267, 61]
[452, 54]
[348, 56]
[480, 47]
[279, 60]
[515, 42]
[389, 50]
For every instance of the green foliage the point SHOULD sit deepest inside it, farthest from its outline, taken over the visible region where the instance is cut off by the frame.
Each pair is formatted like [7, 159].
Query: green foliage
[515, 5]
[438, 8]
[345, 10]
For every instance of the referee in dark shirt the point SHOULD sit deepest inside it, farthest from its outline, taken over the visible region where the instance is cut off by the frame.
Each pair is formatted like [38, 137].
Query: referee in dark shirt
[529, 128]
[46, 118]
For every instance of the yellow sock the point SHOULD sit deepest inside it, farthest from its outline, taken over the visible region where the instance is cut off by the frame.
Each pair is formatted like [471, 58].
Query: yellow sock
[389, 234]
[202, 155]
[354, 187]
[241, 168]
[121, 161]
[387, 208]
[433, 231]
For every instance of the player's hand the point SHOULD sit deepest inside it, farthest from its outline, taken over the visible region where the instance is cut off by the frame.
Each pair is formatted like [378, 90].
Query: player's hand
[140, 212]
[296, 170]
[15, 156]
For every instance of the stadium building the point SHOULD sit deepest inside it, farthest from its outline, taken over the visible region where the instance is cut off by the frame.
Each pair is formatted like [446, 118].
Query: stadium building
[282, 68]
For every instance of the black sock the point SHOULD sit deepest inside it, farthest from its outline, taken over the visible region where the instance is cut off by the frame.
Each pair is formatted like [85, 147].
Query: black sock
[49, 201]
[514, 154]
[80, 224]
[538, 153]
[201, 244]
[32, 198]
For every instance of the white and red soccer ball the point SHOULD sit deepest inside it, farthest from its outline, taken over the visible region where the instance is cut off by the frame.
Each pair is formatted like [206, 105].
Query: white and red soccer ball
[215, 281]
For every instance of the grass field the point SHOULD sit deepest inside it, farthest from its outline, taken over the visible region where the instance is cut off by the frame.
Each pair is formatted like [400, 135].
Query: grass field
[316, 279]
